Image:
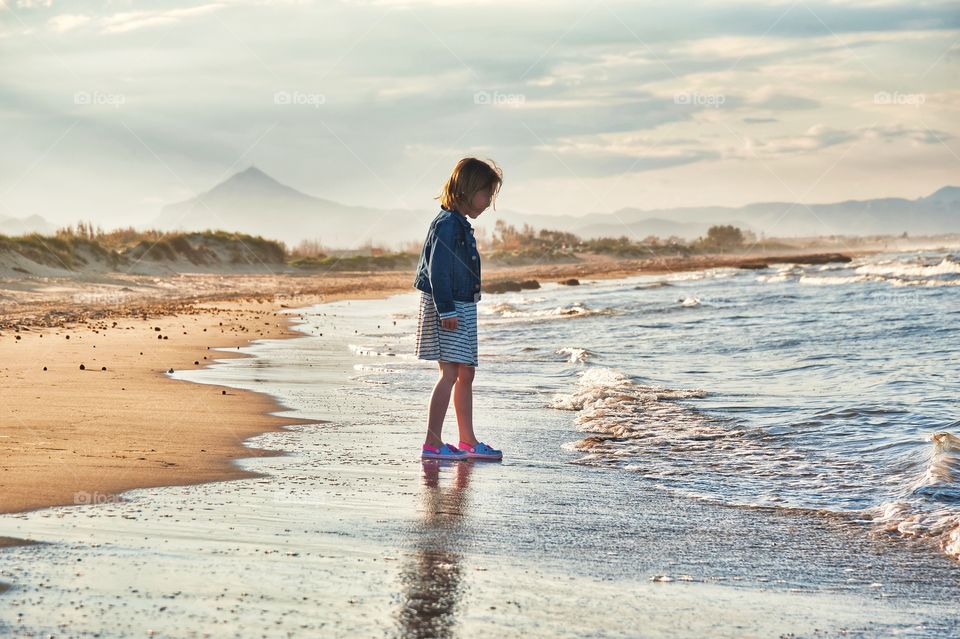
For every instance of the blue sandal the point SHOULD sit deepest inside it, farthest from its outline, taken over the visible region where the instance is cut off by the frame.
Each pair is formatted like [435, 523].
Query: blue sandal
[447, 451]
[481, 451]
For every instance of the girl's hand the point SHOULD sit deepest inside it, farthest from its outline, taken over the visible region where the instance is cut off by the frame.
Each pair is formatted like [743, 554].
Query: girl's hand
[449, 323]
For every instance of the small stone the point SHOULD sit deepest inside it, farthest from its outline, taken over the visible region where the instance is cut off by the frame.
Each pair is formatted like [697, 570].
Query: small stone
[82, 367]
[170, 371]
[103, 368]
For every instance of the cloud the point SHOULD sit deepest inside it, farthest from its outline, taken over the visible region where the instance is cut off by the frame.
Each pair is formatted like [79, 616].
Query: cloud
[133, 20]
[819, 137]
[586, 88]
[67, 22]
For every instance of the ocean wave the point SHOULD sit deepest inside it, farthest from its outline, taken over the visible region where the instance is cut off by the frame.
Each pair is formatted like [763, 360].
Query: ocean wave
[929, 506]
[715, 273]
[776, 277]
[509, 311]
[600, 384]
[929, 283]
[574, 355]
[645, 429]
[922, 269]
[830, 280]
[624, 418]
[941, 476]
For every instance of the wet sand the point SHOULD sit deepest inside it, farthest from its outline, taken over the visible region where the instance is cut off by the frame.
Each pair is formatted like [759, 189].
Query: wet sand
[349, 535]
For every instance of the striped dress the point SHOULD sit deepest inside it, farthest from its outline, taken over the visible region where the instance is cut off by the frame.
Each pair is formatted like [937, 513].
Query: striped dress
[439, 344]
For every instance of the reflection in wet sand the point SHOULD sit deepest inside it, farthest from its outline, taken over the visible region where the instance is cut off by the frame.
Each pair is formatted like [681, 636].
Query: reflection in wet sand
[432, 573]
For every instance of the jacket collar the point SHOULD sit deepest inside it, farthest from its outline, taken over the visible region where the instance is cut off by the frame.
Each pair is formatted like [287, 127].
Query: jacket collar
[463, 218]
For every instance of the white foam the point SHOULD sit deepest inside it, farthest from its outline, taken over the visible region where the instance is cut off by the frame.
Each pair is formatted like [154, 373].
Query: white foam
[921, 513]
[510, 311]
[946, 266]
[779, 277]
[830, 280]
[574, 355]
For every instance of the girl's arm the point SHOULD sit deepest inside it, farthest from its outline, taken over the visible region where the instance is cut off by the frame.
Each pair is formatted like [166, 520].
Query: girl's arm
[442, 255]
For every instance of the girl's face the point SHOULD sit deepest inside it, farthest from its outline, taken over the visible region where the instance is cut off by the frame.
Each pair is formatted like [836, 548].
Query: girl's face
[478, 203]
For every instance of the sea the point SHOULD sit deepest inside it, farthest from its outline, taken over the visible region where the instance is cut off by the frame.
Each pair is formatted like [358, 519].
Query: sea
[831, 388]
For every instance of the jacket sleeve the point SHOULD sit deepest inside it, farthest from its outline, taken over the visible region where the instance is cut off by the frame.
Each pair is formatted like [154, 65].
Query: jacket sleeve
[442, 254]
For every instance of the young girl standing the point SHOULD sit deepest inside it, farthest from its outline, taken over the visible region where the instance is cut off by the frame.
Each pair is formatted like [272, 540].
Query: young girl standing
[448, 277]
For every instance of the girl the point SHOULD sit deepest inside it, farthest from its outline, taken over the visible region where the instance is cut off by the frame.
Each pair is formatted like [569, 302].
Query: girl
[448, 276]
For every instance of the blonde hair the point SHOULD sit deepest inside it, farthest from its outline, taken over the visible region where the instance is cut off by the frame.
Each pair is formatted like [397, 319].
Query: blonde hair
[470, 176]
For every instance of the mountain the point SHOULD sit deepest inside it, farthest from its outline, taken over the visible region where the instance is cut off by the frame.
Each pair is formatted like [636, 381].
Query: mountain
[12, 226]
[932, 215]
[253, 202]
[948, 195]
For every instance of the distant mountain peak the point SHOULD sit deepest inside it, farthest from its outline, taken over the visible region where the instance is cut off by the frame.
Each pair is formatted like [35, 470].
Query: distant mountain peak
[945, 194]
[252, 175]
[252, 183]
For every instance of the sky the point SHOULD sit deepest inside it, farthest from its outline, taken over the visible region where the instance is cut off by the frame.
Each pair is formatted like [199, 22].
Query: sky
[112, 108]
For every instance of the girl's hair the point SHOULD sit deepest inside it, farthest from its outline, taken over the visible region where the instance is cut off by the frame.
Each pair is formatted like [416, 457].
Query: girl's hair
[469, 176]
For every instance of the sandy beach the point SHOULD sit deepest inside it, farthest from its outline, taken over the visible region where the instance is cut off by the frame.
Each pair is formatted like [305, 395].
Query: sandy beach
[68, 435]
[345, 535]
[318, 463]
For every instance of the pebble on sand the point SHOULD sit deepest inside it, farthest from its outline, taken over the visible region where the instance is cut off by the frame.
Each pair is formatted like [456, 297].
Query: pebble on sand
[82, 367]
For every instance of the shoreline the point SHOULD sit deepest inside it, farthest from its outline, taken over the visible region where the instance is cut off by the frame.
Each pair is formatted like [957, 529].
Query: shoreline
[102, 467]
[346, 536]
[138, 428]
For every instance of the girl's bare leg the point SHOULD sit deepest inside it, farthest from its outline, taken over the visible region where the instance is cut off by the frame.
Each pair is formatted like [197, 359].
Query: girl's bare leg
[439, 401]
[463, 403]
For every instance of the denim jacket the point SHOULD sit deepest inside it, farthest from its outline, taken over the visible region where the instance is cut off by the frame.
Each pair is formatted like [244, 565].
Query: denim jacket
[449, 267]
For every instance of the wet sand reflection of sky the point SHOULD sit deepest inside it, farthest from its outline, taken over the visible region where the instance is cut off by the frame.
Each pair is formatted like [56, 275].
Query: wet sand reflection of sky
[432, 574]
